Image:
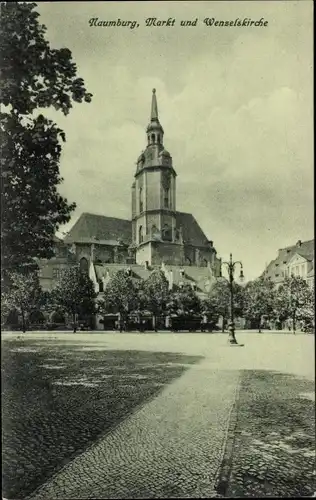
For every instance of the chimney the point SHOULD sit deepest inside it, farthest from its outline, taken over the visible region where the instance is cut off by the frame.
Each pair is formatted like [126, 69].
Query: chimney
[299, 243]
[210, 242]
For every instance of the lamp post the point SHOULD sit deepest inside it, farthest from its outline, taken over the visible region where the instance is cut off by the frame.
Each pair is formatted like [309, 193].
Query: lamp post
[231, 271]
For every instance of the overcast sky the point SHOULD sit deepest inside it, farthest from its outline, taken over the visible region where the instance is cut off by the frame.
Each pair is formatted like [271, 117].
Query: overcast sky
[236, 105]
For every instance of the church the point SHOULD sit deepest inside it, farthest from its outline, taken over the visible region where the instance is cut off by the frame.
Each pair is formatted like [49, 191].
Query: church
[156, 236]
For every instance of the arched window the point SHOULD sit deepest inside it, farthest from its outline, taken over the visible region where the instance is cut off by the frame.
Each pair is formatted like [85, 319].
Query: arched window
[140, 234]
[158, 138]
[141, 205]
[166, 198]
[84, 266]
[167, 233]
[153, 138]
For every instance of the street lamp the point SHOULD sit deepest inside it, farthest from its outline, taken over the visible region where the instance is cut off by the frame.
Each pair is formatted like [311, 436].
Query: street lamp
[231, 271]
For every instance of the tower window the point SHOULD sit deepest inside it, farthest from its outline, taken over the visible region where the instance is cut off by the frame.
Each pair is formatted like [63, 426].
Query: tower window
[141, 205]
[166, 198]
[167, 233]
[153, 138]
[158, 138]
[140, 234]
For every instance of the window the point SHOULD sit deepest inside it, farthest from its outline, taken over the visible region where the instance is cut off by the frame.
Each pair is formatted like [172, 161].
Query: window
[141, 207]
[56, 273]
[84, 266]
[152, 138]
[277, 274]
[166, 198]
[140, 234]
[167, 233]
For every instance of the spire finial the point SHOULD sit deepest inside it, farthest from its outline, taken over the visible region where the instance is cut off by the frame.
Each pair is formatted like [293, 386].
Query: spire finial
[154, 107]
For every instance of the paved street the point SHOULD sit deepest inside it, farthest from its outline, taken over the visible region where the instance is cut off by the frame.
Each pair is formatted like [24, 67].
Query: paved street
[159, 415]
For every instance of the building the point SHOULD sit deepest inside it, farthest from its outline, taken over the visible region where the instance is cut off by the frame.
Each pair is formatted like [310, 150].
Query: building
[296, 260]
[156, 236]
[51, 269]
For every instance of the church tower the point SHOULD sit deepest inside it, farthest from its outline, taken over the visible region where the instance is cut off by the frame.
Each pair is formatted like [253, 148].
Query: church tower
[156, 237]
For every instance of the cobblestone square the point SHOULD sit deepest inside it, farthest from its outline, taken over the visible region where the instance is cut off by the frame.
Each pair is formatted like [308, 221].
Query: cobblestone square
[108, 415]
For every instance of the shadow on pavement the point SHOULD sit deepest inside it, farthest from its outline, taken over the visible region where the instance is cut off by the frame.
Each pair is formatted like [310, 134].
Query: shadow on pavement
[58, 399]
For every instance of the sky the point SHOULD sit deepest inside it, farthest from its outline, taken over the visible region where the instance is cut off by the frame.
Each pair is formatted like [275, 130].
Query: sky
[236, 105]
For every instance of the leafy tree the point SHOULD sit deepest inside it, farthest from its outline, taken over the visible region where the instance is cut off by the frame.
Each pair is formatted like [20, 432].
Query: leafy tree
[293, 298]
[218, 299]
[156, 290]
[24, 296]
[33, 76]
[184, 301]
[259, 298]
[210, 309]
[74, 294]
[121, 294]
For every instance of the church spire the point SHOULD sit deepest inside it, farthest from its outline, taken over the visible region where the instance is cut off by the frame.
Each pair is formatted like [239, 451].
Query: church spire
[154, 130]
[154, 107]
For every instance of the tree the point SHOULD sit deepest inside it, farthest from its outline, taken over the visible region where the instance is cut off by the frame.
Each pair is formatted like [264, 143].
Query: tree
[156, 289]
[33, 76]
[293, 298]
[24, 296]
[121, 294]
[219, 299]
[184, 301]
[259, 298]
[74, 294]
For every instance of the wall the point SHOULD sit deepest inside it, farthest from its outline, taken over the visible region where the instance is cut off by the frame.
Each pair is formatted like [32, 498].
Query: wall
[153, 190]
[169, 253]
[143, 254]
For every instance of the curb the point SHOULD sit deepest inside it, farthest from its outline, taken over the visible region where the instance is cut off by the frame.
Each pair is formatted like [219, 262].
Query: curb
[224, 472]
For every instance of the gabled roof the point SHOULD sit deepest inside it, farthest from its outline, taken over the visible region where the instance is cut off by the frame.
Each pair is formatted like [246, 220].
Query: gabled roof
[192, 274]
[92, 228]
[286, 254]
[306, 256]
[138, 271]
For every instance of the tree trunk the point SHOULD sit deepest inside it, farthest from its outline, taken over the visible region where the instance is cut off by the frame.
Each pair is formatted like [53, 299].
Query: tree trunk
[74, 320]
[294, 323]
[23, 321]
[223, 325]
[154, 323]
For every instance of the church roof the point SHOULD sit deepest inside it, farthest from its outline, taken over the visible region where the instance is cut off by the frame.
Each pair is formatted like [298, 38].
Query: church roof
[92, 228]
[191, 230]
